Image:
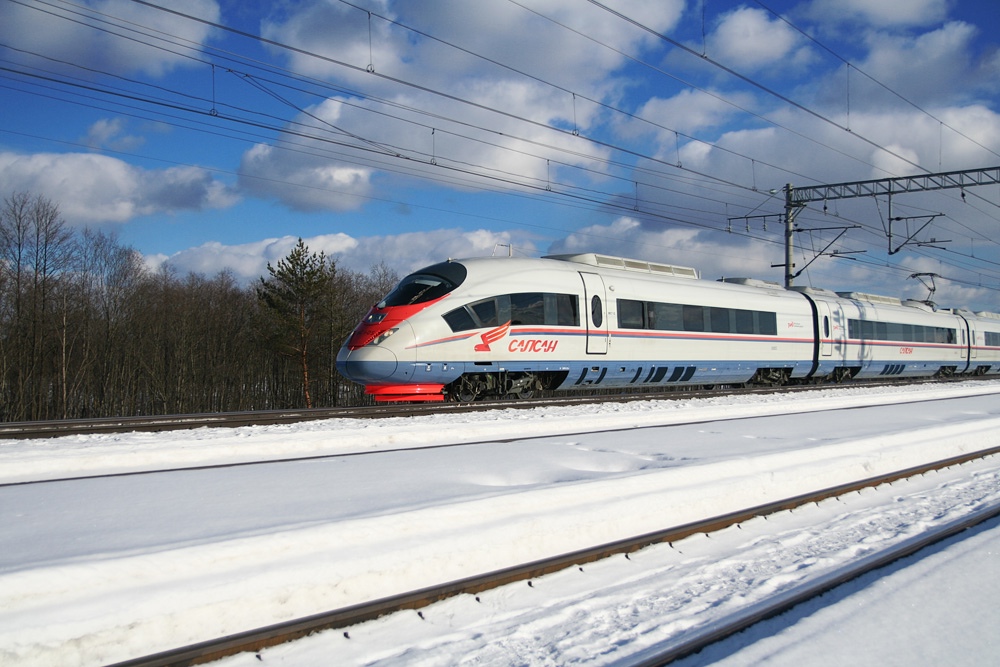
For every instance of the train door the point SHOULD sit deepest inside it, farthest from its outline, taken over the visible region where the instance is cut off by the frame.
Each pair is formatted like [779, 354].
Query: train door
[825, 328]
[595, 313]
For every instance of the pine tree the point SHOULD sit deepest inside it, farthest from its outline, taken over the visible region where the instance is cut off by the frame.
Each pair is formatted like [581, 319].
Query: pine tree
[297, 295]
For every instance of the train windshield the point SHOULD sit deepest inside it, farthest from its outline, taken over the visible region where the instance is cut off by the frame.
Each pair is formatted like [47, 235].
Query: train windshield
[425, 285]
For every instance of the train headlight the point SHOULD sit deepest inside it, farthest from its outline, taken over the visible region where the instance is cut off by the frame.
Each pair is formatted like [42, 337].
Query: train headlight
[374, 318]
[381, 338]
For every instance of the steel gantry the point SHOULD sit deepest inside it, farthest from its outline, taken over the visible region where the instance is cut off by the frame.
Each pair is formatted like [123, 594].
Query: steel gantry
[797, 198]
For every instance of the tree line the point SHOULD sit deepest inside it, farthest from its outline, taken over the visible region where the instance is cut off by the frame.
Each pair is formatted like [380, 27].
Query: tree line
[88, 330]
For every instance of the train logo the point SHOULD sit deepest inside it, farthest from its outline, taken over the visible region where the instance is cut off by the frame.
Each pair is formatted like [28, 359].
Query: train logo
[492, 336]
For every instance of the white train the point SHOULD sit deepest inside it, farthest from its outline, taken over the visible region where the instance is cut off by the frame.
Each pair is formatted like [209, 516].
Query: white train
[466, 329]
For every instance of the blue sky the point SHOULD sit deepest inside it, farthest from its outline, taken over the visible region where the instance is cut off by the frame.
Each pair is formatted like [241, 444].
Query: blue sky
[211, 135]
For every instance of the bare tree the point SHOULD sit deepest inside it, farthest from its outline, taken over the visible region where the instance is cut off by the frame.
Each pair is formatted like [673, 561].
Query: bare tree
[35, 248]
[86, 330]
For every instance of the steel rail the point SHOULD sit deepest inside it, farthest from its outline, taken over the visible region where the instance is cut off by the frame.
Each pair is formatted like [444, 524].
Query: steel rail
[782, 603]
[392, 450]
[105, 425]
[257, 639]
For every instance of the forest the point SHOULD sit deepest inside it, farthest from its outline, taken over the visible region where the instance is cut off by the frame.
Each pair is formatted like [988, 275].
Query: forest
[88, 330]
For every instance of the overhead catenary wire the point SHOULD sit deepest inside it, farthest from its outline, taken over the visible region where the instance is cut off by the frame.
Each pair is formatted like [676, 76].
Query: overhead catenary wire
[143, 2]
[881, 84]
[446, 95]
[471, 169]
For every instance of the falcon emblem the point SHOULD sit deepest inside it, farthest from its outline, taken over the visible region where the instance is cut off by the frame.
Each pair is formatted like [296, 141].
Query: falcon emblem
[492, 336]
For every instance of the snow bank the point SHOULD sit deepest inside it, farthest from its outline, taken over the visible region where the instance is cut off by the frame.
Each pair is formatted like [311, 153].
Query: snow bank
[111, 607]
[54, 458]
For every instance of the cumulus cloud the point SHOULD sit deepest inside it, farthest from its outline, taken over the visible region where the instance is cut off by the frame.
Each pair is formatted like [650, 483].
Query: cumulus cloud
[111, 133]
[717, 256]
[402, 253]
[628, 237]
[879, 14]
[932, 66]
[248, 261]
[502, 32]
[688, 112]
[303, 181]
[91, 188]
[59, 33]
[749, 40]
[472, 144]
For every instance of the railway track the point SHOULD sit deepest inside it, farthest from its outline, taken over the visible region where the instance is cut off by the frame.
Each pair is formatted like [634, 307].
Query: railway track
[257, 639]
[779, 605]
[106, 425]
[420, 409]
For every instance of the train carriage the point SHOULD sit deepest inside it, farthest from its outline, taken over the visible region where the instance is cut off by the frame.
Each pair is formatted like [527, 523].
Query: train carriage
[869, 336]
[985, 342]
[503, 326]
[512, 326]
[702, 332]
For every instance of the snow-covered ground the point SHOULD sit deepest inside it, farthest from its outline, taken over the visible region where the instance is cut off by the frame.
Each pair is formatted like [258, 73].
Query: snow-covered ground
[98, 570]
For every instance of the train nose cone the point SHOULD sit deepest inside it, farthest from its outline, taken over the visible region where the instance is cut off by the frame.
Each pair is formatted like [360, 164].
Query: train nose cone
[366, 364]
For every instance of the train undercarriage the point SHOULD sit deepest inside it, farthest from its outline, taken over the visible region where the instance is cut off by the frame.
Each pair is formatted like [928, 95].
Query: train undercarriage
[525, 385]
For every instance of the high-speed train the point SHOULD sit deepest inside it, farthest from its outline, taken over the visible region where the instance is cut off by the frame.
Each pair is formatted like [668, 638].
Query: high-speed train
[500, 326]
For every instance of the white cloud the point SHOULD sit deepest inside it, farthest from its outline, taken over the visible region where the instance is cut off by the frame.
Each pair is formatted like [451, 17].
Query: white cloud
[447, 131]
[304, 181]
[683, 246]
[90, 188]
[403, 252]
[248, 261]
[932, 66]
[688, 112]
[61, 34]
[717, 255]
[500, 31]
[110, 133]
[901, 13]
[748, 39]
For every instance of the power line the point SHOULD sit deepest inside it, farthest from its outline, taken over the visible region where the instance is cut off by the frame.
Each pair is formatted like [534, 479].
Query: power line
[752, 82]
[590, 198]
[882, 85]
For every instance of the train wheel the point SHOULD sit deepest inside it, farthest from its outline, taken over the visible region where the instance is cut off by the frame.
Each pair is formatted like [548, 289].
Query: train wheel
[467, 391]
[465, 395]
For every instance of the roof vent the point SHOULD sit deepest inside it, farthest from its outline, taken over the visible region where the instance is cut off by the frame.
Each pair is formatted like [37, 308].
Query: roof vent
[922, 305]
[871, 298]
[609, 262]
[751, 282]
[818, 291]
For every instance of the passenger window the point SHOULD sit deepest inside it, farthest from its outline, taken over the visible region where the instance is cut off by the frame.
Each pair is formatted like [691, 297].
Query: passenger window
[694, 318]
[567, 307]
[630, 314]
[460, 320]
[719, 317]
[826, 327]
[767, 323]
[744, 322]
[596, 311]
[486, 311]
[527, 308]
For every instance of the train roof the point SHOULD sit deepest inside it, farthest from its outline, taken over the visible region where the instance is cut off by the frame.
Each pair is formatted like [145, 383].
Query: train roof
[871, 298]
[818, 291]
[601, 261]
[611, 262]
[751, 282]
